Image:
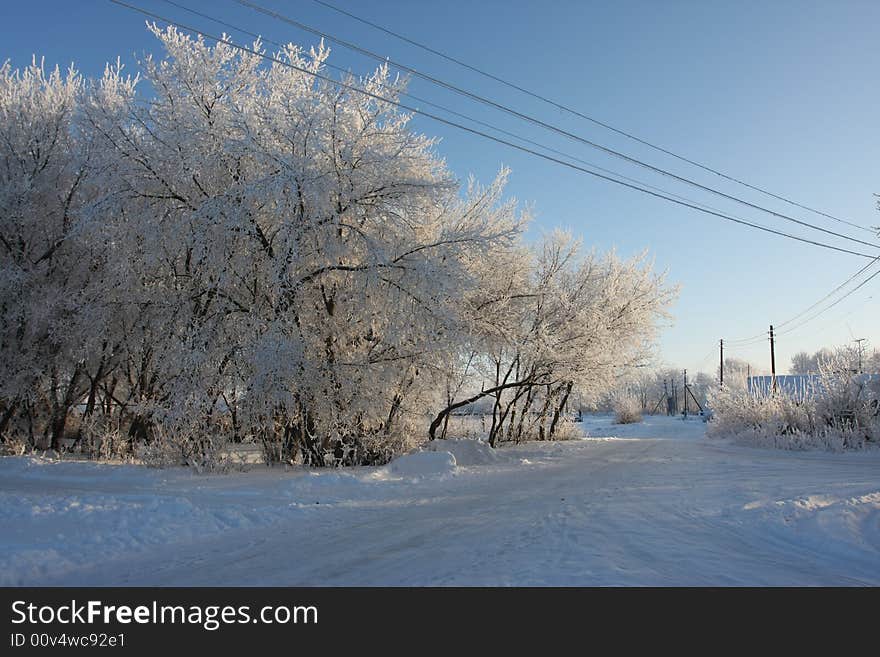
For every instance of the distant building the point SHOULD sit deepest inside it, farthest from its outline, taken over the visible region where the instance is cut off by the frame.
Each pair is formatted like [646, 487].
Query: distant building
[798, 386]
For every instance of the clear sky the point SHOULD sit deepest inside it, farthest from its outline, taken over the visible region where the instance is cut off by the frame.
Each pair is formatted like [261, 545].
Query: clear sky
[782, 94]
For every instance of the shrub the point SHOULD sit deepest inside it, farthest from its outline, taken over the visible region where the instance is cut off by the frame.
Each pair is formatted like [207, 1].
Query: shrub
[627, 409]
[840, 413]
[192, 447]
[15, 445]
[100, 438]
[568, 430]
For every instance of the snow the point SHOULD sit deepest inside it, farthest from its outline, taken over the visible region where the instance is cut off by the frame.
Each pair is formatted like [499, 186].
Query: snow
[440, 458]
[466, 452]
[654, 503]
[421, 464]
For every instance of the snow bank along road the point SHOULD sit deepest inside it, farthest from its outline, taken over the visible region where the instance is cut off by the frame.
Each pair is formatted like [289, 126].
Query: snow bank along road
[649, 504]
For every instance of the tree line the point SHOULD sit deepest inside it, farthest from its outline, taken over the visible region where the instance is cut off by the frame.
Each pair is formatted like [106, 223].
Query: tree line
[217, 250]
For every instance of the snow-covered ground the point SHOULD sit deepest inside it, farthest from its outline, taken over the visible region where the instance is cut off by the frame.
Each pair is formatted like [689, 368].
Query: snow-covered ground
[649, 504]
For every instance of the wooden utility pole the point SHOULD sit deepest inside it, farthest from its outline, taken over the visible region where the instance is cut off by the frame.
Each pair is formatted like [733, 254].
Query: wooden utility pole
[721, 369]
[859, 342]
[772, 359]
[685, 394]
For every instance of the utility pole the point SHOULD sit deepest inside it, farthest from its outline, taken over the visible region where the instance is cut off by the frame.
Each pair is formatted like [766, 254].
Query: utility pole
[685, 394]
[772, 359]
[859, 342]
[721, 369]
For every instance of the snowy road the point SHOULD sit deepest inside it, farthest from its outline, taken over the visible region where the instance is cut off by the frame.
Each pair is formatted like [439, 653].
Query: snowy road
[658, 505]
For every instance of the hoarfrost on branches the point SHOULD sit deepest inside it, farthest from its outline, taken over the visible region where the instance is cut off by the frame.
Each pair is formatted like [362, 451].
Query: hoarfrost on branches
[247, 252]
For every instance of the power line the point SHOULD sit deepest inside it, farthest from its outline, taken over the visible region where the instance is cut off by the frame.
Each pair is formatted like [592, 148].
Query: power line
[757, 339]
[707, 357]
[453, 112]
[447, 109]
[745, 342]
[835, 322]
[829, 307]
[535, 121]
[485, 135]
[830, 294]
[574, 112]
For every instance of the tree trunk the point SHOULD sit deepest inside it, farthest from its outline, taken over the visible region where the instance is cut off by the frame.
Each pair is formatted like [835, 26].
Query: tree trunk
[445, 427]
[94, 383]
[7, 416]
[493, 439]
[543, 415]
[29, 414]
[524, 413]
[560, 409]
[435, 424]
[62, 408]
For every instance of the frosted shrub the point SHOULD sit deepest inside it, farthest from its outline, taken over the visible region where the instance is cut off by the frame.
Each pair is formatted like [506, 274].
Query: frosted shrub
[627, 409]
[841, 413]
[101, 439]
[568, 430]
[343, 446]
[184, 446]
[846, 403]
[15, 445]
[376, 447]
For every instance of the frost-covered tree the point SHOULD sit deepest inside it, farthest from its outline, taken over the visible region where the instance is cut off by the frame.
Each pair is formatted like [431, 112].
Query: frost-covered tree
[658, 390]
[737, 371]
[44, 266]
[221, 248]
[298, 251]
[806, 363]
[560, 322]
[871, 362]
[701, 384]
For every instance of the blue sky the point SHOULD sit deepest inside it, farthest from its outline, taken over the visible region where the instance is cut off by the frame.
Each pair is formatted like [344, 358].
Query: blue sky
[783, 95]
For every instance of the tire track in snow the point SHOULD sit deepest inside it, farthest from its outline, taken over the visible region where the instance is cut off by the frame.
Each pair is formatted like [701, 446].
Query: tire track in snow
[649, 512]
